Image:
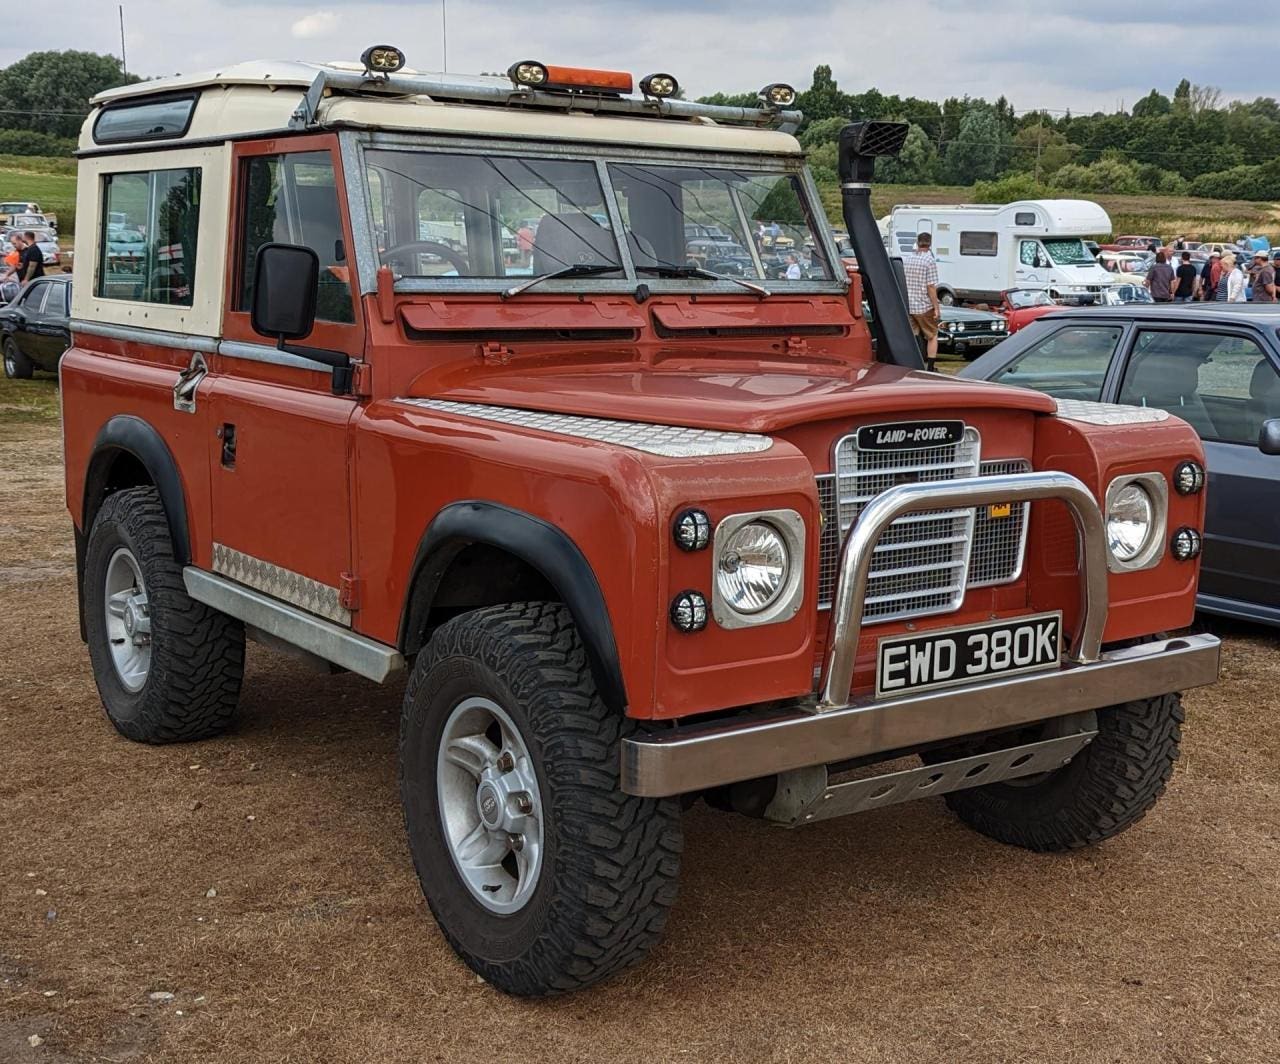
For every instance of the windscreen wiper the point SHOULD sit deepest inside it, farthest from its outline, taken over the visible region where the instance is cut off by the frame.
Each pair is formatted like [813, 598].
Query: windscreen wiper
[578, 269]
[710, 275]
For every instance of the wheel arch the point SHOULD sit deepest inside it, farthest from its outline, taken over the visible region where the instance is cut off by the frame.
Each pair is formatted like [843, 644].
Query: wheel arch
[547, 559]
[128, 453]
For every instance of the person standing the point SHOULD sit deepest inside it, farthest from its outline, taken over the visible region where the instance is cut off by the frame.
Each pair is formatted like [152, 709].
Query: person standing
[921, 270]
[1209, 277]
[1188, 281]
[794, 273]
[31, 263]
[1264, 279]
[1160, 279]
[1231, 281]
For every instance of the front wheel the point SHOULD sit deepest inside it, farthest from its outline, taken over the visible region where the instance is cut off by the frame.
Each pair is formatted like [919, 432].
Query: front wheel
[543, 875]
[946, 297]
[1107, 787]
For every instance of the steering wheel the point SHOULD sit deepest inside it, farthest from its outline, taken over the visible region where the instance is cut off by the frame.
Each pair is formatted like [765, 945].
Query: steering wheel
[433, 247]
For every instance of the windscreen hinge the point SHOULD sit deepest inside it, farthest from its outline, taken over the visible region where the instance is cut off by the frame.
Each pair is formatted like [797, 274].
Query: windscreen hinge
[361, 380]
[797, 346]
[495, 354]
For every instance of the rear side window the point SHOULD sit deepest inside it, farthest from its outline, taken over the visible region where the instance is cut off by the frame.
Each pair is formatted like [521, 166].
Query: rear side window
[1069, 363]
[165, 119]
[293, 199]
[163, 207]
[981, 244]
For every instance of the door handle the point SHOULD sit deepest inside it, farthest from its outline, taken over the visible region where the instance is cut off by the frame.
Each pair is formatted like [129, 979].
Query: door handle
[184, 390]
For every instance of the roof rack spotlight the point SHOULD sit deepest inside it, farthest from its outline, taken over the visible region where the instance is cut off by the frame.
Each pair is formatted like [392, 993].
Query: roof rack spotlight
[659, 85]
[527, 72]
[382, 59]
[777, 95]
[570, 79]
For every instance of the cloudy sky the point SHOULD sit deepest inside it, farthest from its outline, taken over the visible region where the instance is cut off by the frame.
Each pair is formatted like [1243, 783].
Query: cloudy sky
[1099, 55]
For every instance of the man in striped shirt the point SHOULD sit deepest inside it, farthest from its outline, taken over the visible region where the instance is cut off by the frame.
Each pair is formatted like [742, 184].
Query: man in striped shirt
[921, 270]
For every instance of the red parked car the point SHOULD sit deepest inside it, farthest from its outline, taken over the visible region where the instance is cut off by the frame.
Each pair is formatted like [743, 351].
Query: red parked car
[1021, 306]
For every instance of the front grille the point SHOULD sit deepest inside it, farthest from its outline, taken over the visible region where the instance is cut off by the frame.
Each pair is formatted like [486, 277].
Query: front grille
[924, 561]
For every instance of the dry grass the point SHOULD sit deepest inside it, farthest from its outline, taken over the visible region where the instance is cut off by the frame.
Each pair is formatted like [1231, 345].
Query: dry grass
[895, 936]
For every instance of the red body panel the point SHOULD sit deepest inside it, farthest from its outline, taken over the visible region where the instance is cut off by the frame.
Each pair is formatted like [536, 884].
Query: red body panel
[344, 487]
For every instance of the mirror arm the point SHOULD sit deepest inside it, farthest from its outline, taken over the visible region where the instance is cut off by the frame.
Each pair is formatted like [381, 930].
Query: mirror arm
[339, 362]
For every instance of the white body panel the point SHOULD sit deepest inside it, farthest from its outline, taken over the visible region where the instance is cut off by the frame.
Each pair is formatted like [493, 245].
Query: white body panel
[984, 250]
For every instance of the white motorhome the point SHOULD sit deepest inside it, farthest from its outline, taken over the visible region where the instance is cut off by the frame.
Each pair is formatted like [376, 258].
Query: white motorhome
[985, 249]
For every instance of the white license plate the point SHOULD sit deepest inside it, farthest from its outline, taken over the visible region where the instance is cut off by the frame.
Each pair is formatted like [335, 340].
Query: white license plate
[954, 656]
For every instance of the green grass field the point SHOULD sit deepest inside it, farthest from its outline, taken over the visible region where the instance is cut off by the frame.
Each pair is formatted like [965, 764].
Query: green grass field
[1164, 216]
[49, 182]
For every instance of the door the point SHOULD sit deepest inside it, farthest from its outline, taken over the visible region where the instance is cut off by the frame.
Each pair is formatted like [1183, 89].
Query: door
[1225, 386]
[47, 326]
[280, 449]
[1031, 262]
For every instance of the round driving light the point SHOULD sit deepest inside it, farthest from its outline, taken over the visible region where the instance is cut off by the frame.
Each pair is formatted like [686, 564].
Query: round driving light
[382, 59]
[778, 95]
[1188, 478]
[1186, 544]
[689, 611]
[692, 530]
[1130, 514]
[660, 85]
[752, 568]
[527, 72]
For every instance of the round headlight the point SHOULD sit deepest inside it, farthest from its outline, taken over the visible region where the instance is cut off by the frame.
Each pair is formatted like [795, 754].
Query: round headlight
[753, 567]
[1130, 515]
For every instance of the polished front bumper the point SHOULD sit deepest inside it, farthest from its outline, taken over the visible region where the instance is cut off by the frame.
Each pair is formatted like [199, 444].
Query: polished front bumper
[831, 726]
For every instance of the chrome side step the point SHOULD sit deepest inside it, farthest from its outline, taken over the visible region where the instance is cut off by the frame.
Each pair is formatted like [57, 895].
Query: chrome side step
[798, 802]
[366, 657]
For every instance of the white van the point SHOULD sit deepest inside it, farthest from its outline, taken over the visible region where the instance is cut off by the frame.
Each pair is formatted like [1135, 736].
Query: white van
[985, 249]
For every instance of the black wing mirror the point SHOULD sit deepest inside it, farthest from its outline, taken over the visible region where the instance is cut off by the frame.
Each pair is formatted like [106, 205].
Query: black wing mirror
[284, 292]
[1269, 437]
[285, 283]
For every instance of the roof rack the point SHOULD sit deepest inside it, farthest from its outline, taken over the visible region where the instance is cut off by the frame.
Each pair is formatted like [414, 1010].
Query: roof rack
[475, 91]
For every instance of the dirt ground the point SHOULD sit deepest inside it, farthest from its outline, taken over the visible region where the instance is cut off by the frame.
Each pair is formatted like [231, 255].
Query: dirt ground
[252, 899]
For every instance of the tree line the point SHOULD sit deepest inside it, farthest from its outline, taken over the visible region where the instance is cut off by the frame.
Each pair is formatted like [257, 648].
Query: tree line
[45, 95]
[1190, 143]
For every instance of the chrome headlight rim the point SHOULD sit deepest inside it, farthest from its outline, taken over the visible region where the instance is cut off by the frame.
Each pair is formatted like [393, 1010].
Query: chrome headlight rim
[1153, 545]
[786, 603]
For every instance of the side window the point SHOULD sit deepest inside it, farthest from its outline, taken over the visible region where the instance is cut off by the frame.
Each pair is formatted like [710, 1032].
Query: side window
[163, 207]
[293, 199]
[1223, 386]
[56, 302]
[985, 245]
[1029, 253]
[33, 298]
[1069, 363]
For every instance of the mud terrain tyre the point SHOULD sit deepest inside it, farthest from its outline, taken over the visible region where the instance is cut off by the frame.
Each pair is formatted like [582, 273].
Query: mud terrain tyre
[543, 875]
[168, 668]
[16, 365]
[1107, 787]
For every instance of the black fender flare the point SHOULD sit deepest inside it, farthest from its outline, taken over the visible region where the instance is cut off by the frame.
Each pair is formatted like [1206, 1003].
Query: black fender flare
[136, 437]
[540, 545]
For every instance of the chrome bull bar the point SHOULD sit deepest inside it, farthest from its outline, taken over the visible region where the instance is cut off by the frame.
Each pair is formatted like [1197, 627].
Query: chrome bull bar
[830, 726]
[855, 560]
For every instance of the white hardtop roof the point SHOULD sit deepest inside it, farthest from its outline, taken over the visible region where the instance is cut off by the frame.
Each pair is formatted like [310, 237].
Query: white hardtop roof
[1073, 216]
[260, 97]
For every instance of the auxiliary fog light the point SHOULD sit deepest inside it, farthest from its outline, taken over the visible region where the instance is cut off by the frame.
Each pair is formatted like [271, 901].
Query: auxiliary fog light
[1130, 515]
[1186, 544]
[382, 59]
[660, 85]
[753, 567]
[689, 611]
[692, 530]
[778, 95]
[527, 72]
[1188, 478]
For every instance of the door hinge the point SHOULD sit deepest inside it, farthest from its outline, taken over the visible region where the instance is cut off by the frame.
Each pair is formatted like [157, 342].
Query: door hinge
[495, 354]
[797, 346]
[361, 380]
[349, 591]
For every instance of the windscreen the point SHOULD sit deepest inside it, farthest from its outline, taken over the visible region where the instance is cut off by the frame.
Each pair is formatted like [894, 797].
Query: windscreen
[737, 223]
[437, 214]
[1068, 252]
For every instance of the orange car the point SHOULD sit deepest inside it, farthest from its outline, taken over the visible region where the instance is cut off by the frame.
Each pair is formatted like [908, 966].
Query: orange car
[637, 531]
